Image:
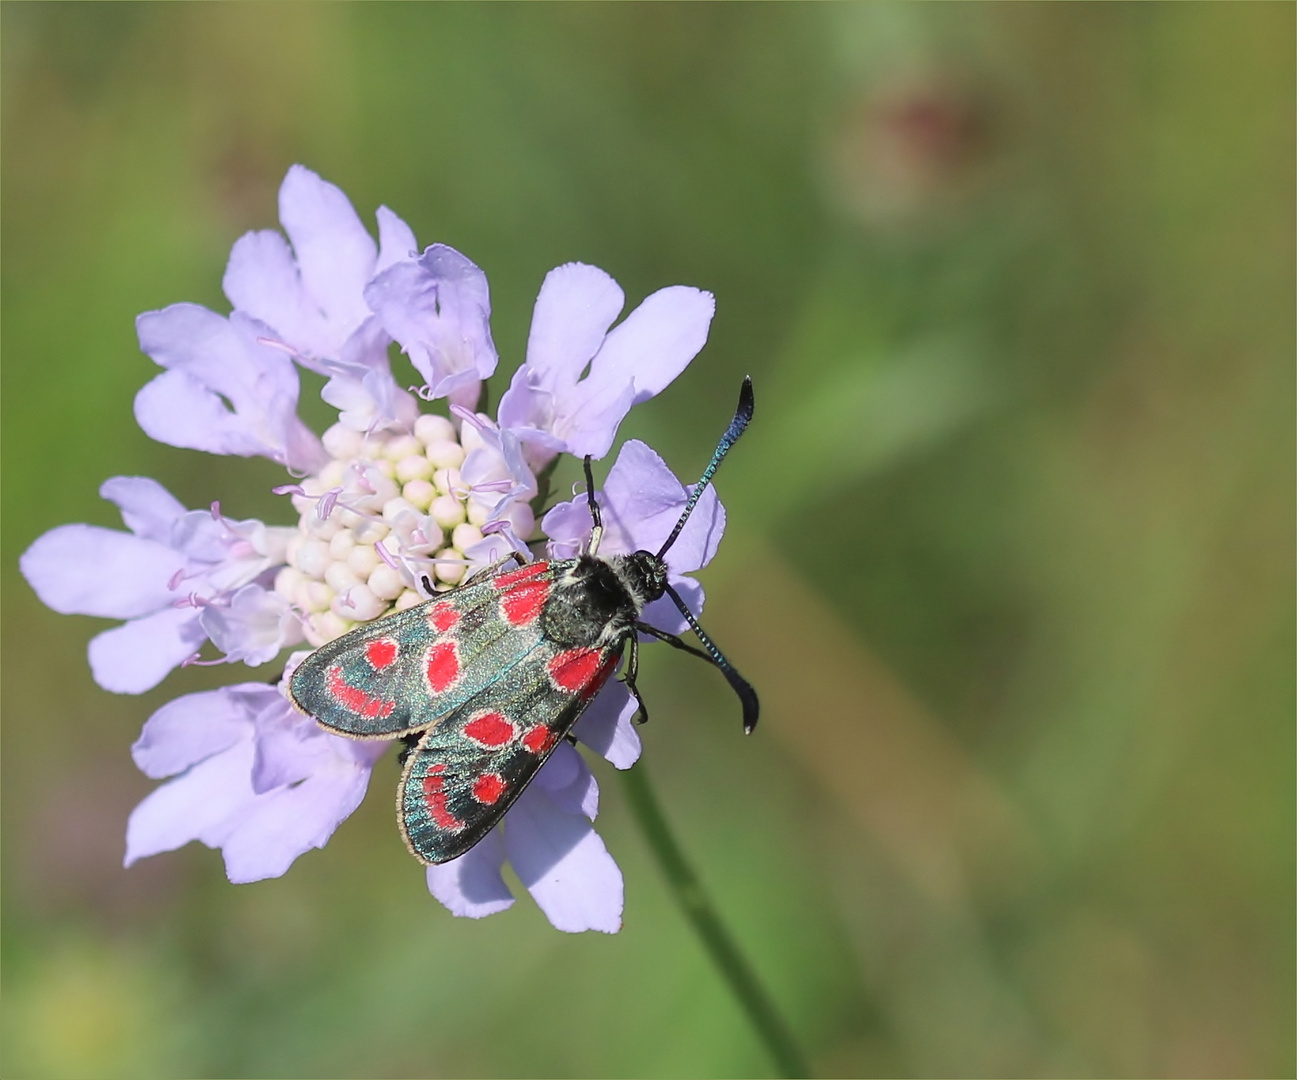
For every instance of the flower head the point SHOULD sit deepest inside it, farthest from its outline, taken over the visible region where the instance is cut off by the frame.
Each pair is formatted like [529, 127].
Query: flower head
[389, 503]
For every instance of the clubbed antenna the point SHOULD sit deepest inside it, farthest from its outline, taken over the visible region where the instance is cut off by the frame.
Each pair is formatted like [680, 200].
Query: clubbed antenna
[740, 685]
[741, 417]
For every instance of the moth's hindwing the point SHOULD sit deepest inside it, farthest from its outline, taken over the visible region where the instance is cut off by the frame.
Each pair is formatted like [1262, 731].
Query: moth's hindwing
[469, 768]
[405, 672]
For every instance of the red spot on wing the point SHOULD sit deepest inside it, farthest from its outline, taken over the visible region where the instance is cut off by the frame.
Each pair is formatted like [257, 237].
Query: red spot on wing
[608, 666]
[434, 794]
[523, 603]
[503, 581]
[443, 666]
[539, 739]
[488, 787]
[443, 616]
[490, 729]
[580, 671]
[356, 700]
[381, 653]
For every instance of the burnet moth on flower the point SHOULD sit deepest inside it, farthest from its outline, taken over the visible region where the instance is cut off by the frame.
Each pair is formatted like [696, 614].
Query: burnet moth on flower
[490, 677]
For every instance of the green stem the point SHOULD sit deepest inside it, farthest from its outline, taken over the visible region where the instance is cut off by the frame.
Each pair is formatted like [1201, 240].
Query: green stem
[716, 939]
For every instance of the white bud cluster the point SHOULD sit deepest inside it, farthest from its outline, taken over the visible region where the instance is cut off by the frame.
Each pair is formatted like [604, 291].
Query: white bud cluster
[399, 489]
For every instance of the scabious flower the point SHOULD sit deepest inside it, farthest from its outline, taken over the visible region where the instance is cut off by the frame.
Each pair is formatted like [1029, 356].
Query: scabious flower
[388, 498]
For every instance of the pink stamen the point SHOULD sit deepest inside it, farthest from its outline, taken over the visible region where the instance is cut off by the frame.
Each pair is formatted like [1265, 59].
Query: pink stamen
[494, 486]
[288, 489]
[175, 581]
[381, 549]
[216, 510]
[505, 529]
[272, 343]
[326, 504]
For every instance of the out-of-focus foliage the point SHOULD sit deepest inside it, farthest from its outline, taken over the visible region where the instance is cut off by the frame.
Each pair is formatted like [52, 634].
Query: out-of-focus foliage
[1010, 553]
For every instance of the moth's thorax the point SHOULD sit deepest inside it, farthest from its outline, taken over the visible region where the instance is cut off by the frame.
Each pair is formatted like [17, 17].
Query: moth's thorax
[596, 601]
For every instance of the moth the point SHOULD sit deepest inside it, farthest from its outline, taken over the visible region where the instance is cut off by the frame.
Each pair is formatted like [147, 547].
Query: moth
[487, 679]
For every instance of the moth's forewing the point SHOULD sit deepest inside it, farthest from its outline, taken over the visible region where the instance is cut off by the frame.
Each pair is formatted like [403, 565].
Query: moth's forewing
[405, 672]
[468, 769]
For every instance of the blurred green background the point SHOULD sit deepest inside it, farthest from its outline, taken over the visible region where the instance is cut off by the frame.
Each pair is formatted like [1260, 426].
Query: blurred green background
[1010, 554]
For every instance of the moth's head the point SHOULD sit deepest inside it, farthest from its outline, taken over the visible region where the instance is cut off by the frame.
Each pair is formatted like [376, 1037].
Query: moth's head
[644, 574]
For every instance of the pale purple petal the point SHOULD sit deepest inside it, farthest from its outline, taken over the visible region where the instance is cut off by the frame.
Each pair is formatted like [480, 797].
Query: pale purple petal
[136, 656]
[214, 801]
[396, 241]
[590, 415]
[148, 509]
[438, 309]
[364, 350]
[561, 771]
[569, 783]
[607, 725]
[192, 728]
[576, 305]
[275, 828]
[291, 747]
[224, 392]
[255, 626]
[564, 864]
[313, 302]
[261, 280]
[654, 343]
[176, 409]
[549, 408]
[195, 806]
[529, 409]
[568, 526]
[368, 400]
[471, 886]
[642, 500]
[335, 253]
[201, 537]
[86, 570]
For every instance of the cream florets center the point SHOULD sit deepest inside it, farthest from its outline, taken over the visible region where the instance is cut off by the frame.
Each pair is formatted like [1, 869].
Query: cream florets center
[386, 510]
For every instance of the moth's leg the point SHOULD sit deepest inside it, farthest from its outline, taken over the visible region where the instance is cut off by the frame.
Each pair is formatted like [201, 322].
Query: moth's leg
[672, 640]
[596, 533]
[632, 673]
[408, 743]
[427, 585]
